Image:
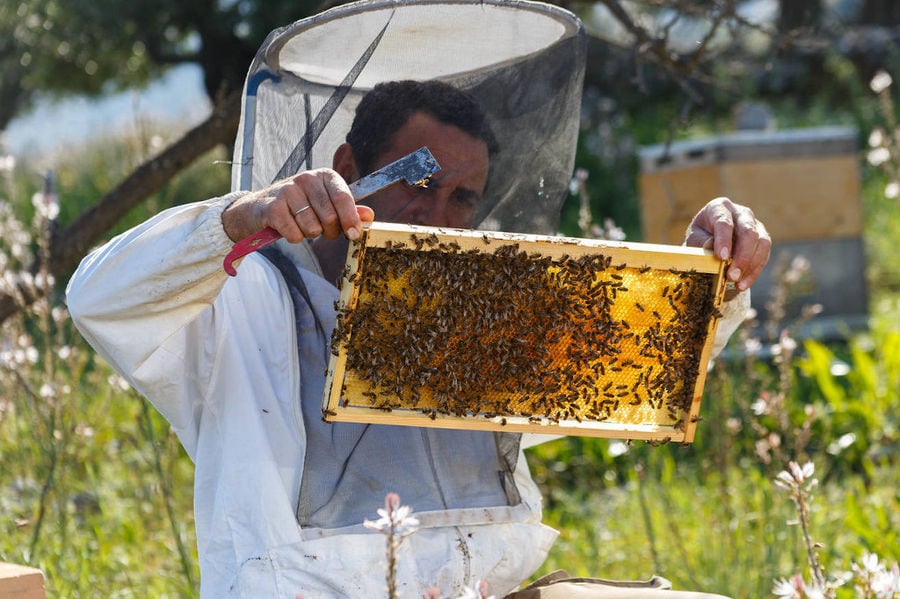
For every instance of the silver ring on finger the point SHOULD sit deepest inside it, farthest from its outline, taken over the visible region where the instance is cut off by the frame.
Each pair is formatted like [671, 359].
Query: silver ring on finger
[299, 210]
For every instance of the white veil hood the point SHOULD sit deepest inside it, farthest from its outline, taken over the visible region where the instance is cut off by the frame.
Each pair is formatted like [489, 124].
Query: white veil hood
[523, 62]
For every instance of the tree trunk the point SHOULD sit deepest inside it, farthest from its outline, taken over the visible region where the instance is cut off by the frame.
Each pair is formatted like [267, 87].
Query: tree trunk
[68, 246]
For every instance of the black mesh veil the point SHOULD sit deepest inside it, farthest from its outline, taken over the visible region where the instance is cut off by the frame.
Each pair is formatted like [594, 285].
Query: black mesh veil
[523, 62]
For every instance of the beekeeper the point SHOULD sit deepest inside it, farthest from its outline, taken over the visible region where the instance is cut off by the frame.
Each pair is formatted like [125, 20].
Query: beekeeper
[236, 365]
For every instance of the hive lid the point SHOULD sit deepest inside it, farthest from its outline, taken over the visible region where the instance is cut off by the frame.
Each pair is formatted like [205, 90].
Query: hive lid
[750, 145]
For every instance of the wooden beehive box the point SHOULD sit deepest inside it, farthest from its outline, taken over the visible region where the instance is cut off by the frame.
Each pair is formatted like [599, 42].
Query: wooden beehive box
[523, 333]
[803, 184]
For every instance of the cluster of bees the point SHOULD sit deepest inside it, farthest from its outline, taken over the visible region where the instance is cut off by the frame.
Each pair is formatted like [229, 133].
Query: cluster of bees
[497, 331]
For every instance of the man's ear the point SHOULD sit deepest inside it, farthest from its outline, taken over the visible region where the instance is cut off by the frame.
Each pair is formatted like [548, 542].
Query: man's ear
[345, 163]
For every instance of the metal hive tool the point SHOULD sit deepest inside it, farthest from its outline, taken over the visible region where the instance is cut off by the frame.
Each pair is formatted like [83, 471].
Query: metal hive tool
[497, 331]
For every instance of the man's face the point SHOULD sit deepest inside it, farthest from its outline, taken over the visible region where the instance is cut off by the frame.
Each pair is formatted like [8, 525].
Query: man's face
[452, 193]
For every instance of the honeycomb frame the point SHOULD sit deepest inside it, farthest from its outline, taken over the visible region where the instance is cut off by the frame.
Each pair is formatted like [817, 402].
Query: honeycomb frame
[547, 335]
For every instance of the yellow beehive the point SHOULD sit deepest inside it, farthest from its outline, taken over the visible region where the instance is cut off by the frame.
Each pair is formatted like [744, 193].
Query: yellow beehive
[497, 331]
[803, 184]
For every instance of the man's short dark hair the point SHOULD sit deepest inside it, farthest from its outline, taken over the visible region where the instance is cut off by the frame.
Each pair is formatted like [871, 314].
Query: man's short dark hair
[389, 105]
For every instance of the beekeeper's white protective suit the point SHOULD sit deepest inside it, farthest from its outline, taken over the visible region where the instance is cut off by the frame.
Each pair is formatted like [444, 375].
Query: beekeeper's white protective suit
[242, 388]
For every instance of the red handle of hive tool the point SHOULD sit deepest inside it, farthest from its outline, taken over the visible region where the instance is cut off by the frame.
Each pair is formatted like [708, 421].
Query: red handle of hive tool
[248, 245]
[415, 168]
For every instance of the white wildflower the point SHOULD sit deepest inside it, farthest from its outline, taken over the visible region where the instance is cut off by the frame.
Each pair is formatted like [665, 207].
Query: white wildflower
[733, 426]
[875, 579]
[814, 591]
[869, 563]
[840, 578]
[760, 406]
[811, 310]
[799, 268]
[394, 517]
[880, 82]
[841, 443]
[838, 368]
[84, 430]
[787, 343]
[380, 524]
[752, 346]
[17, 251]
[578, 179]
[617, 448]
[46, 205]
[613, 232]
[479, 591]
[118, 383]
[887, 582]
[786, 589]
[876, 138]
[878, 156]
[892, 190]
[15, 357]
[59, 314]
[762, 451]
[796, 476]
[804, 472]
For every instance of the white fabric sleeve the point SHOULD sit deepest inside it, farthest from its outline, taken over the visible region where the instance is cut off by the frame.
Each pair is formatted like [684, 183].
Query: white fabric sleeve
[136, 291]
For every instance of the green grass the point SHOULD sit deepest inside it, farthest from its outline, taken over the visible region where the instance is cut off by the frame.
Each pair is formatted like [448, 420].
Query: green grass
[96, 491]
[89, 474]
[708, 516]
[726, 534]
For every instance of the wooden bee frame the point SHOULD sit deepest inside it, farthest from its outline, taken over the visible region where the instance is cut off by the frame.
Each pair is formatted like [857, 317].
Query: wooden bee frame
[523, 333]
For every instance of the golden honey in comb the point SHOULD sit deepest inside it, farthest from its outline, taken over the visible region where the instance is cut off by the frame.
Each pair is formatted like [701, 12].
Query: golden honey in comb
[497, 331]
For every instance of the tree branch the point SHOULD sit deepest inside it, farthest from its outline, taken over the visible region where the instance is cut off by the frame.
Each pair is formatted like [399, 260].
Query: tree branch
[69, 245]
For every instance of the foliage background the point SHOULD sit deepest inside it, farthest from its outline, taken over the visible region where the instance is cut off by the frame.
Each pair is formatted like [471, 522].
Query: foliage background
[95, 490]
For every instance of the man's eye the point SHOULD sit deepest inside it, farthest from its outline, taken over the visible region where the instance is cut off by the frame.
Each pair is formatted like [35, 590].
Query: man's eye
[465, 198]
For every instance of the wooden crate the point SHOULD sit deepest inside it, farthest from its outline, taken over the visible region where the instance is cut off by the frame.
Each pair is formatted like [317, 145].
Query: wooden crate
[21, 582]
[523, 333]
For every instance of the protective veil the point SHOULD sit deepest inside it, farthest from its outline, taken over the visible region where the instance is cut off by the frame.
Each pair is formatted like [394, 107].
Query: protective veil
[522, 61]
